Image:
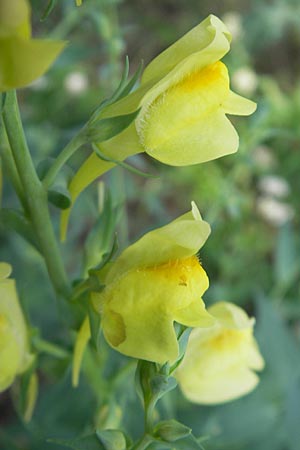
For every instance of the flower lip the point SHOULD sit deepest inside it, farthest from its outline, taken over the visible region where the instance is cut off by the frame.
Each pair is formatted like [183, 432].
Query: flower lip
[155, 282]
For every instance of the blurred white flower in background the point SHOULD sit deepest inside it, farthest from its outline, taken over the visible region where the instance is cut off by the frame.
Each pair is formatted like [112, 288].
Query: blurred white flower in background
[245, 81]
[233, 21]
[76, 82]
[274, 185]
[275, 212]
[263, 157]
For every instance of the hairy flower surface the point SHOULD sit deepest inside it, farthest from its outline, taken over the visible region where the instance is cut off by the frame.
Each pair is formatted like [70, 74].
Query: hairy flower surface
[156, 281]
[22, 59]
[184, 97]
[14, 347]
[220, 361]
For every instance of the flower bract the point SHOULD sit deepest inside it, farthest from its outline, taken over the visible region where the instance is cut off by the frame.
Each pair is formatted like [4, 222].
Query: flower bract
[220, 362]
[155, 282]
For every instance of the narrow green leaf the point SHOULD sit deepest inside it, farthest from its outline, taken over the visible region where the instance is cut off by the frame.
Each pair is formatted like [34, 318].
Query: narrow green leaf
[101, 241]
[122, 84]
[171, 430]
[94, 320]
[103, 129]
[127, 89]
[114, 96]
[48, 10]
[58, 193]
[112, 439]
[122, 164]
[59, 196]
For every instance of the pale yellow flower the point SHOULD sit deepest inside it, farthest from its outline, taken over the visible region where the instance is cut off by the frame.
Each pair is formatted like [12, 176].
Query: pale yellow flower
[155, 282]
[15, 356]
[184, 98]
[22, 59]
[220, 362]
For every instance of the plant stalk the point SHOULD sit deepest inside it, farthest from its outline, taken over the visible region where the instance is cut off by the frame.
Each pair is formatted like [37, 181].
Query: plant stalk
[36, 195]
[63, 157]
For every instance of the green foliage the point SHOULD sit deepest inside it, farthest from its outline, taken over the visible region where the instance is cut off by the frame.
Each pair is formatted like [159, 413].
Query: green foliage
[251, 260]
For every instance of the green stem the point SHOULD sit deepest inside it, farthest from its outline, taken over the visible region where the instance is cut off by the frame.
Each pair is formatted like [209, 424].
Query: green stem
[63, 157]
[36, 195]
[10, 166]
[149, 409]
[51, 349]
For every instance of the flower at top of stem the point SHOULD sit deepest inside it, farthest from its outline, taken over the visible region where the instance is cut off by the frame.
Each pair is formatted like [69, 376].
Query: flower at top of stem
[22, 59]
[15, 357]
[220, 362]
[183, 98]
[155, 282]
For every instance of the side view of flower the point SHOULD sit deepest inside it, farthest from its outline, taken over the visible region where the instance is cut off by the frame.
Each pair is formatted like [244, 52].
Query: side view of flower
[22, 59]
[156, 281]
[183, 99]
[220, 362]
[15, 356]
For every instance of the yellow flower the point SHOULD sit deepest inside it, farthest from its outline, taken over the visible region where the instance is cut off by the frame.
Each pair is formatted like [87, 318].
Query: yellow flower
[219, 363]
[184, 97]
[155, 282]
[22, 59]
[14, 346]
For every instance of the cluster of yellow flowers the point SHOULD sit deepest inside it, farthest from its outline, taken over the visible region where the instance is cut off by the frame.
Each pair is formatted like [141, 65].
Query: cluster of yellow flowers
[183, 99]
[159, 280]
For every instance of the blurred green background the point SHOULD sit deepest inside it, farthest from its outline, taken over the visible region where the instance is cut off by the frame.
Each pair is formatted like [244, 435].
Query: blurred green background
[251, 200]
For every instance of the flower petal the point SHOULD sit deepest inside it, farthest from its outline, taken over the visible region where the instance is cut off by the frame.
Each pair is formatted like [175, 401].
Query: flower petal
[181, 238]
[237, 105]
[15, 18]
[24, 60]
[10, 354]
[120, 147]
[198, 142]
[231, 316]
[194, 315]
[205, 44]
[14, 343]
[221, 387]
[217, 366]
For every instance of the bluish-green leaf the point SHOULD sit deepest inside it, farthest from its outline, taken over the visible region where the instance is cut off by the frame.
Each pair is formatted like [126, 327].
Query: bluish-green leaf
[122, 164]
[112, 439]
[171, 430]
